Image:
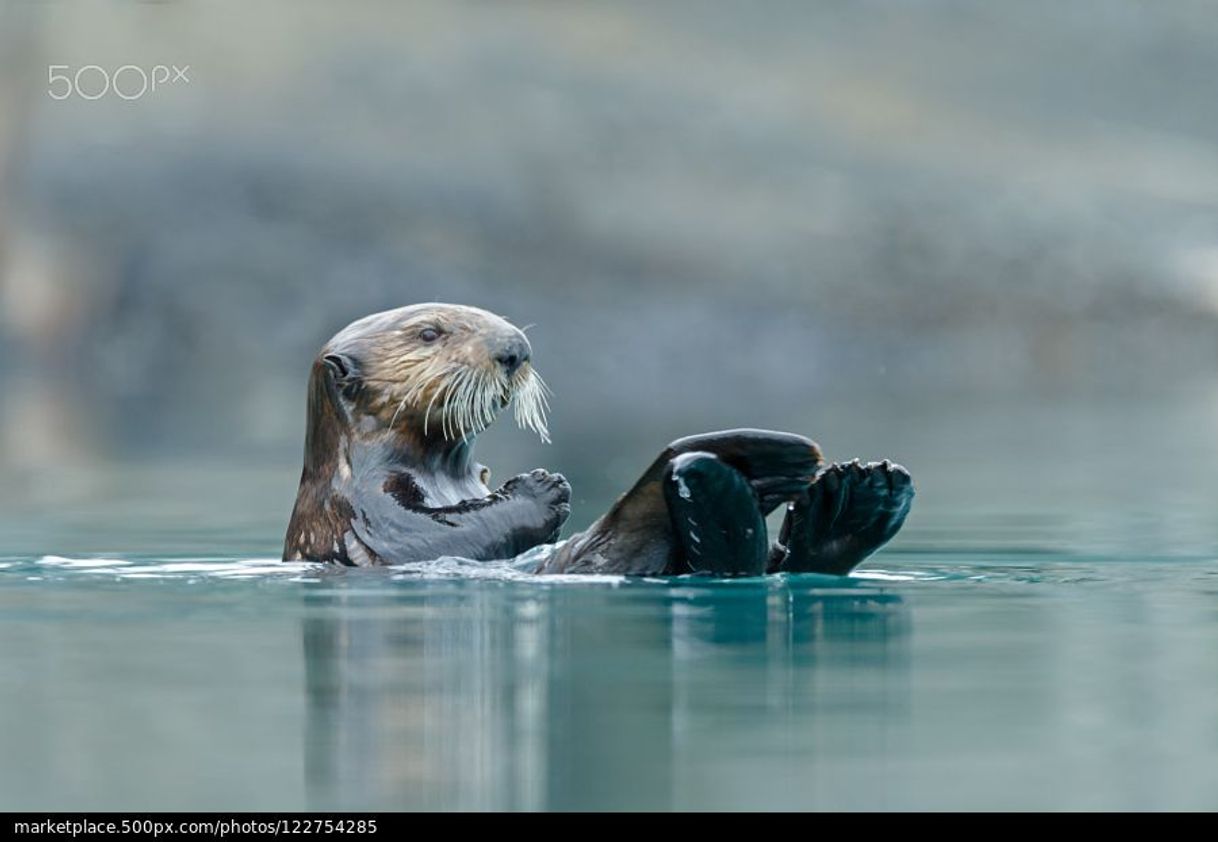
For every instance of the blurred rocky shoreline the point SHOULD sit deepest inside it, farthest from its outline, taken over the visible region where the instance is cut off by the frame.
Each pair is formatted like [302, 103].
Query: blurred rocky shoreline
[710, 214]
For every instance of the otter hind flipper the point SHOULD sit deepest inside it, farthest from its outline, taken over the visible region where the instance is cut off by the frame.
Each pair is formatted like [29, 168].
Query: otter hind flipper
[848, 513]
[778, 465]
[715, 516]
[755, 472]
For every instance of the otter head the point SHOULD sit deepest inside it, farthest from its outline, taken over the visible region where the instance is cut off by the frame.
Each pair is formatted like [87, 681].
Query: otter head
[428, 373]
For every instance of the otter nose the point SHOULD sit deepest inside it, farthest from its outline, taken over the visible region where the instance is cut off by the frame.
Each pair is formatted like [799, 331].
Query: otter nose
[512, 354]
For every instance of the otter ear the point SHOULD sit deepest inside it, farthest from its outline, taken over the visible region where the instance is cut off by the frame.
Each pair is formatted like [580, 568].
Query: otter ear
[342, 368]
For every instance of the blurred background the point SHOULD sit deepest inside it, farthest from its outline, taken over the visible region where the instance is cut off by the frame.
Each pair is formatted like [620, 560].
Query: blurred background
[981, 239]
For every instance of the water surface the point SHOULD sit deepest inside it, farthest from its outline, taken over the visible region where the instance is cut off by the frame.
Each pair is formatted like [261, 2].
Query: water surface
[1042, 634]
[930, 680]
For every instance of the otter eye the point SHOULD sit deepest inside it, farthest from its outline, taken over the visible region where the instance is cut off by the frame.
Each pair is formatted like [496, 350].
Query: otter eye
[429, 334]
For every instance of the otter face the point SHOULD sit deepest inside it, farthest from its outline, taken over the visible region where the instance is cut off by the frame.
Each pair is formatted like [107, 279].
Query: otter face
[433, 369]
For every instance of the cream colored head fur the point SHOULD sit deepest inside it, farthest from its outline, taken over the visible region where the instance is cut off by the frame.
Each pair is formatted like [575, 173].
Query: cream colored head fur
[440, 368]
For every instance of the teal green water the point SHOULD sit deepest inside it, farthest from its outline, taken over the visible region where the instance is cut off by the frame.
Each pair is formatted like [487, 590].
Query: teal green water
[1043, 634]
[931, 680]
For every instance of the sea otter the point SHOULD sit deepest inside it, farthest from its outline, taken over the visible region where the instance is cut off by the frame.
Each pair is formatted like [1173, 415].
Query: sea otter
[397, 398]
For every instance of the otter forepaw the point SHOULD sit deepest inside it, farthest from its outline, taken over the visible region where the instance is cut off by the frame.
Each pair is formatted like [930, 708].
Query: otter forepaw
[552, 496]
[849, 512]
[540, 483]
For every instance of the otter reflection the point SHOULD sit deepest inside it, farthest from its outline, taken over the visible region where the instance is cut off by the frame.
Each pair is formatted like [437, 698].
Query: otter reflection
[489, 695]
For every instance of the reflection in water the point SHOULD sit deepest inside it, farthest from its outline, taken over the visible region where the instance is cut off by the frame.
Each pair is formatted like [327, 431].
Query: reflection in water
[1027, 682]
[574, 697]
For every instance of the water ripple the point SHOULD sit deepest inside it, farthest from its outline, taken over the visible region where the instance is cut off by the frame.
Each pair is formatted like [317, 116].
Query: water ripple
[908, 569]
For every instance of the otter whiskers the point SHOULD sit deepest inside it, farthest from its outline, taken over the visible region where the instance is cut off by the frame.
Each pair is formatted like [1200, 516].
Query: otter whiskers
[533, 404]
[469, 399]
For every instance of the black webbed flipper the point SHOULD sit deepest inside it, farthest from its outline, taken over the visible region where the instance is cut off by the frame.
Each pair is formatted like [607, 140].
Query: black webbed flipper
[848, 513]
[636, 536]
[718, 525]
[777, 465]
